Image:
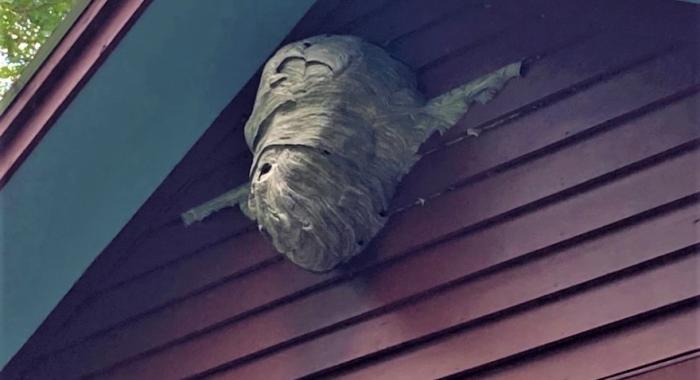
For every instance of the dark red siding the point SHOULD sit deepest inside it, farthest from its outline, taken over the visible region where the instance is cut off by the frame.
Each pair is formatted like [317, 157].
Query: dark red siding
[561, 243]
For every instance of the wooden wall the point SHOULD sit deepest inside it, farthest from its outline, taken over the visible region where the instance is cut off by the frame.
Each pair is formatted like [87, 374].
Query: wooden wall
[562, 243]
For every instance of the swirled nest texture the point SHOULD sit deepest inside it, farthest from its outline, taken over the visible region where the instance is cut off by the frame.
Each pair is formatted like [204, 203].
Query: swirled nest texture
[336, 124]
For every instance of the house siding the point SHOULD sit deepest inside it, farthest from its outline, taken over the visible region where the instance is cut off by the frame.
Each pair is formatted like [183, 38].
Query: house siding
[561, 243]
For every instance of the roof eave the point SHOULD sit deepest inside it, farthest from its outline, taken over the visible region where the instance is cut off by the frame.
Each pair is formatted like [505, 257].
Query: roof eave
[65, 63]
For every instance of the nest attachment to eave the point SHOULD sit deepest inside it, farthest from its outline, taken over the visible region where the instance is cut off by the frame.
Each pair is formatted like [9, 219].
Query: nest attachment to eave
[337, 123]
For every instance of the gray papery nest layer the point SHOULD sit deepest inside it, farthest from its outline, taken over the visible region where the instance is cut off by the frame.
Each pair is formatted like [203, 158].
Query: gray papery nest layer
[337, 123]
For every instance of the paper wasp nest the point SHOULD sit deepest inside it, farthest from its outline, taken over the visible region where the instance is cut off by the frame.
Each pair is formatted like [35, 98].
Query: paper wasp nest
[337, 123]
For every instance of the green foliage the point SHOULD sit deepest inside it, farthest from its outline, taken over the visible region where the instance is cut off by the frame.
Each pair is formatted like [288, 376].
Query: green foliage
[24, 26]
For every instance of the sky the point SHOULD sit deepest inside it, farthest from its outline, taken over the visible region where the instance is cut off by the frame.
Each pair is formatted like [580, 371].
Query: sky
[4, 83]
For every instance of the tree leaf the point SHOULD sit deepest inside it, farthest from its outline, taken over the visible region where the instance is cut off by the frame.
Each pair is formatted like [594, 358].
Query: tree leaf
[24, 27]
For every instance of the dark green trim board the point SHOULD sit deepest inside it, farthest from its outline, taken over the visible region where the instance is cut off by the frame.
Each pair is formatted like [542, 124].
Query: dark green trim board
[154, 96]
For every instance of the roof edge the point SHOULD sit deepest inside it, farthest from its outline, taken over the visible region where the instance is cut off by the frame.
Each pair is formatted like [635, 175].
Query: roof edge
[43, 54]
[86, 37]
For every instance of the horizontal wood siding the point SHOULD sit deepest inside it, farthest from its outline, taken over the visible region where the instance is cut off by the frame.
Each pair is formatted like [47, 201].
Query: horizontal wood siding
[563, 242]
